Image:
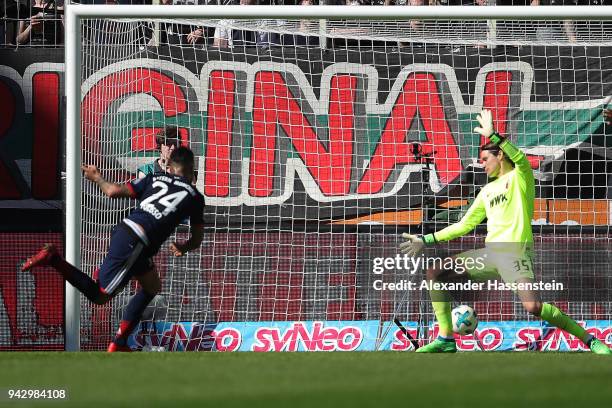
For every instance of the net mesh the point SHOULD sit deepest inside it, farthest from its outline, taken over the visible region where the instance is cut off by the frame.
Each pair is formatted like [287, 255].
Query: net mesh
[314, 159]
[476, 32]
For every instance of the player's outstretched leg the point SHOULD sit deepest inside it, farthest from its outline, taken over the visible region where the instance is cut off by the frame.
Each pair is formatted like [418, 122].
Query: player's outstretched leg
[150, 286]
[50, 256]
[557, 318]
[45, 257]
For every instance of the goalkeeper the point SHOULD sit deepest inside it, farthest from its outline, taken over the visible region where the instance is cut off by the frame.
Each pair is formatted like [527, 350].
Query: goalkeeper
[507, 202]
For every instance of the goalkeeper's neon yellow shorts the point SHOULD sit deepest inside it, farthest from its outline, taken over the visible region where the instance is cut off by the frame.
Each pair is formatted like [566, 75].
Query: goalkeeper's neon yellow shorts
[492, 263]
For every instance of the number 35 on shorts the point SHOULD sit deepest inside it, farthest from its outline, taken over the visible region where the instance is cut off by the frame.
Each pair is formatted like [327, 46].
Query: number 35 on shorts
[522, 265]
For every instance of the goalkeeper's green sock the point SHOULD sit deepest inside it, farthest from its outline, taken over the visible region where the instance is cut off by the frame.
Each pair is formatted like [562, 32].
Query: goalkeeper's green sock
[443, 315]
[557, 318]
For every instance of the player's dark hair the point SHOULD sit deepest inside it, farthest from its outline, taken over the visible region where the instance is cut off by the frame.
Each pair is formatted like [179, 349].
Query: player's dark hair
[495, 149]
[169, 137]
[183, 157]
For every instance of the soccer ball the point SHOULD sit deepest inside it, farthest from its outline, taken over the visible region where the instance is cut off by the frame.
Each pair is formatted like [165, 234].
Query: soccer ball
[465, 320]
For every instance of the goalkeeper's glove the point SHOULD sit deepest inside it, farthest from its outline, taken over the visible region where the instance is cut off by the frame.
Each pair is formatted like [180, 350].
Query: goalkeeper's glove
[414, 245]
[485, 118]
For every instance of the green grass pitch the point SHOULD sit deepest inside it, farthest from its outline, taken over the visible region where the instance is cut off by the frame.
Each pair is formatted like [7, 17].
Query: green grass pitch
[382, 379]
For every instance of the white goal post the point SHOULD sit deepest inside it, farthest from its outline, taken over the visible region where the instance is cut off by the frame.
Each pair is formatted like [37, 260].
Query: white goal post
[75, 14]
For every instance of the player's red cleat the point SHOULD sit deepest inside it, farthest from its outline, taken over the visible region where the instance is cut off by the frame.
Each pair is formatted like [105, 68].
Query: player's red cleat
[114, 348]
[42, 258]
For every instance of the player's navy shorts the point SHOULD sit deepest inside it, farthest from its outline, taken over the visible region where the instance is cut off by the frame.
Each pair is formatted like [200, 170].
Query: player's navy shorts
[127, 257]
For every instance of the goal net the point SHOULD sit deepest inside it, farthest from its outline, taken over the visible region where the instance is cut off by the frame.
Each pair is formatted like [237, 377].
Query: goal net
[318, 143]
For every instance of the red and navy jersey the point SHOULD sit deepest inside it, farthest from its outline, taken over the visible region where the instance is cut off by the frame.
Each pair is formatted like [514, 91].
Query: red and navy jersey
[165, 201]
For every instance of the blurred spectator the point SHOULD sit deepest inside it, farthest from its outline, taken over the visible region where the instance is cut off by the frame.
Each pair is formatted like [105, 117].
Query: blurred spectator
[45, 25]
[196, 35]
[183, 34]
[415, 25]
[11, 11]
[305, 26]
[226, 37]
[116, 33]
[554, 30]
[222, 38]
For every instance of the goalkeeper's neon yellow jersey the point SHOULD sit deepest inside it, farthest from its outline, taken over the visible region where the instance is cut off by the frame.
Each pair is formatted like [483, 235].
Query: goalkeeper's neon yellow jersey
[506, 202]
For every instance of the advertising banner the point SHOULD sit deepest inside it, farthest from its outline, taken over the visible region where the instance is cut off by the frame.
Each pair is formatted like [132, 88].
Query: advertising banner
[355, 336]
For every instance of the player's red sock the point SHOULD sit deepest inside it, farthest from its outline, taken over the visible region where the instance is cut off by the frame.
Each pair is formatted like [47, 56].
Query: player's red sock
[125, 329]
[132, 315]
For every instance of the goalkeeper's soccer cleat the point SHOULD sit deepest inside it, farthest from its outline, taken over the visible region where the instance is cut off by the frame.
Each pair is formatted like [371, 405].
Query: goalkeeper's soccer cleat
[439, 346]
[115, 348]
[42, 258]
[599, 347]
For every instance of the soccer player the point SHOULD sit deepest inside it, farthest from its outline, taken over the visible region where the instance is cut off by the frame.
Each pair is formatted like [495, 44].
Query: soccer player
[167, 140]
[165, 199]
[507, 202]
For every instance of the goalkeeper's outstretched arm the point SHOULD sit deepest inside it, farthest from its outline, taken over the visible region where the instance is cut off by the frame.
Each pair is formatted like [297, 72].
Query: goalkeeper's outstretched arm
[522, 165]
[474, 216]
[476, 213]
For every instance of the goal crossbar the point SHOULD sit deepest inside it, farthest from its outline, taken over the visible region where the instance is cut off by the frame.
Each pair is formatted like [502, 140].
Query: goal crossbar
[599, 13]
